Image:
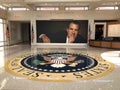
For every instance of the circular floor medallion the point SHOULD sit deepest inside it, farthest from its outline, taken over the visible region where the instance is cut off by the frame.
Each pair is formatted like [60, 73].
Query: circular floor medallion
[58, 66]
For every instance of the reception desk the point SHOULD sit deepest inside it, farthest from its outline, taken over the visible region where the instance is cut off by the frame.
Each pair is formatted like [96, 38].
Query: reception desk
[105, 44]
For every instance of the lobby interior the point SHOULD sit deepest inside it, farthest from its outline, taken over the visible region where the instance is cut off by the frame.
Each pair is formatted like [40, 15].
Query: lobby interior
[27, 64]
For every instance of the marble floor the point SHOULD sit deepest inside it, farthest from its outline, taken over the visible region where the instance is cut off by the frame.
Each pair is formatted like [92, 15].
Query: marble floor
[111, 81]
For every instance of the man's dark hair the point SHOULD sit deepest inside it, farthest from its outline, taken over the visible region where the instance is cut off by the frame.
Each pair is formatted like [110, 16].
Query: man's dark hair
[75, 22]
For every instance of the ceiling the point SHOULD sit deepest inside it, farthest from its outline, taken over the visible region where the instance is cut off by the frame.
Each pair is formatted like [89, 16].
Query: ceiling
[32, 4]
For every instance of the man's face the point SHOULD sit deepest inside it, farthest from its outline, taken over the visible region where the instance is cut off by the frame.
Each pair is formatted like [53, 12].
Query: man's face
[73, 29]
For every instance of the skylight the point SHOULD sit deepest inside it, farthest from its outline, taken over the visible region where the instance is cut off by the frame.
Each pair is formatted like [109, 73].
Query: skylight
[107, 8]
[48, 8]
[2, 7]
[18, 9]
[76, 8]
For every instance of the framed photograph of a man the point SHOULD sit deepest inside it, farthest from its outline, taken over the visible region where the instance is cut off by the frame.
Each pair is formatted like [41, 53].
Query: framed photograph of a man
[61, 31]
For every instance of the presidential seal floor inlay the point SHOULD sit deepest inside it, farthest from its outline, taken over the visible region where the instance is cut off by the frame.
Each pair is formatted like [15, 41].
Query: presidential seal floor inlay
[58, 66]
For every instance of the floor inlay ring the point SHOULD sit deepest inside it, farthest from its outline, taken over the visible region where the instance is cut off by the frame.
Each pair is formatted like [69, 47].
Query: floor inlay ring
[58, 66]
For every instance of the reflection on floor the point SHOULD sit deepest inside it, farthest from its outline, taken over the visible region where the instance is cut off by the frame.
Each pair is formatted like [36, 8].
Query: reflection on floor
[10, 81]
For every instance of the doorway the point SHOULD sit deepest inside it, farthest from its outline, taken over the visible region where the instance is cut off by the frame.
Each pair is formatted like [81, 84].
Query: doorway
[20, 32]
[100, 31]
[25, 32]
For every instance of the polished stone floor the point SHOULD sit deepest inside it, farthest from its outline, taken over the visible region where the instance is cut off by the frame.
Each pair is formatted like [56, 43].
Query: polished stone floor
[111, 81]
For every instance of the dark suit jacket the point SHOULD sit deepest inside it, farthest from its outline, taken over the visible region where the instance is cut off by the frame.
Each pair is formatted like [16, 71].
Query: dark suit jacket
[61, 38]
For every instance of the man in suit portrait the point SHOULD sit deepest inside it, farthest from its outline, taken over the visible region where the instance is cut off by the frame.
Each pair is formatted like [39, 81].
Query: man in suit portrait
[70, 35]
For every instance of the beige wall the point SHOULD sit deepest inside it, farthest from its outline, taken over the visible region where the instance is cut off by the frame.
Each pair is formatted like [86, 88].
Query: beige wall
[3, 14]
[90, 15]
[46, 15]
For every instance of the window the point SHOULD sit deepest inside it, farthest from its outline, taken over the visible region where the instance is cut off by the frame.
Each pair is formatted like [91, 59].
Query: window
[1, 43]
[1, 20]
[1, 33]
